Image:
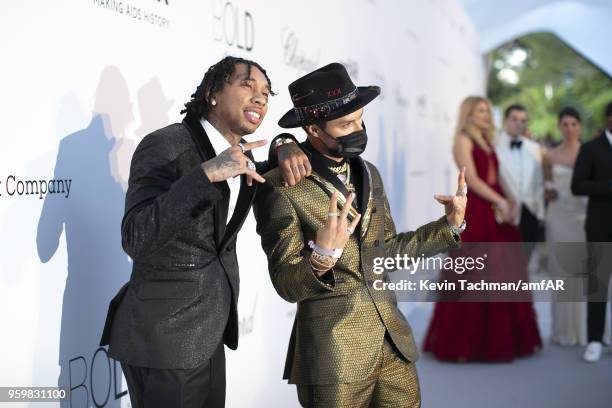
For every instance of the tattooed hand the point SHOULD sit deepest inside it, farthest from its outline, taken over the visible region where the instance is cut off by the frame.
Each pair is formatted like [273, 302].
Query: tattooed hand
[294, 164]
[231, 163]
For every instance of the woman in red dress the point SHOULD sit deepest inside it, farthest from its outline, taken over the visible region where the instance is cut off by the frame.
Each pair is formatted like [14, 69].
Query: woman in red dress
[484, 330]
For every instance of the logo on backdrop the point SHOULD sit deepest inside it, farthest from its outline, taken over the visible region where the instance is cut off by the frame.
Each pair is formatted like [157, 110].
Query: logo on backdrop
[14, 186]
[400, 100]
[379, 79]
[153, 14]
[352, 67]
[107, 388]
[233, 25]
[246, 324]
[293, 55]
[421, 104]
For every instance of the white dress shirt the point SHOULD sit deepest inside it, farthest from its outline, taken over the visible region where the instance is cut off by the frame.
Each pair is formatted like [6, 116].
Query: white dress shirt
[521, 169]
[219, 144]
[609, 136]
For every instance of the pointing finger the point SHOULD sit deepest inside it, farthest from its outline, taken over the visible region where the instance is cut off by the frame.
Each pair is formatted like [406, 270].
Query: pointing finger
[255, 144]
[355, 221]
[443, 198]
[347, 206]
[332, 216]
[461, 181]
[255, 175]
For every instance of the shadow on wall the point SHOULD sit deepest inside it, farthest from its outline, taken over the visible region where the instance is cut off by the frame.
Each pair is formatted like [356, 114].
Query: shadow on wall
[97, 265]
[96, 159]
[153, 107]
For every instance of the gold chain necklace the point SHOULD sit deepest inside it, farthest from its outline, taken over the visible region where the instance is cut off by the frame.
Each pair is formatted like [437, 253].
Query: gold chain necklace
[344, 174]
[343, 168]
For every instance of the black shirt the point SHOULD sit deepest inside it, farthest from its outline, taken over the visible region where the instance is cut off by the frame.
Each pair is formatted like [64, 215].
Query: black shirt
[317, 159]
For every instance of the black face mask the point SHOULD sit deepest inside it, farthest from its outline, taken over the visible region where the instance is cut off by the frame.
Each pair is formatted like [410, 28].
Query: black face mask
[351, 145]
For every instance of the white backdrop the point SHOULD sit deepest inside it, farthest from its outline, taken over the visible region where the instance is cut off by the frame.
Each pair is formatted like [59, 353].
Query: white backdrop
[84, 81]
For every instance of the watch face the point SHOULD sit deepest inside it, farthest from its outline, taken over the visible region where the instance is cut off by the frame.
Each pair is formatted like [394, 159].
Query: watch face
[281, 141]
[462, 227]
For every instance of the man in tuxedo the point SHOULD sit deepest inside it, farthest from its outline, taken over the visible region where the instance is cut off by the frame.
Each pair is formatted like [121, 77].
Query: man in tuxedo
[350, 345]
[520, 160]
[593, 177]
[191, 186]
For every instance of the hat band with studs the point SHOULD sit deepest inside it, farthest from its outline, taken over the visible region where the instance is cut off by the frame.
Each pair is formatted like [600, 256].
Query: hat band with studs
[323, 110]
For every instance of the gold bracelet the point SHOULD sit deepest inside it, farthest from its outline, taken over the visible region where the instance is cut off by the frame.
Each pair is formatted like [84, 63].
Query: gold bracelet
[316, 269]
[323, 259]
[320, 263]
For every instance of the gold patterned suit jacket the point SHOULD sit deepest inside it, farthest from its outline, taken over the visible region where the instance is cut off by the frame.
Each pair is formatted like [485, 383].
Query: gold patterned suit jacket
[339, 325]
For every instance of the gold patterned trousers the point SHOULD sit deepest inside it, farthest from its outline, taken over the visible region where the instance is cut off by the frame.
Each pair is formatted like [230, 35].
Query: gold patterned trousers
[393, 383]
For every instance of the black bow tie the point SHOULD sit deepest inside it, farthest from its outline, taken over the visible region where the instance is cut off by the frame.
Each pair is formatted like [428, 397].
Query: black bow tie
[515, 144]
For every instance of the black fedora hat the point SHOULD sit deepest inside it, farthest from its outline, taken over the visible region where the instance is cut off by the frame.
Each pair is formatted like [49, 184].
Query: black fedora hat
[325, 94]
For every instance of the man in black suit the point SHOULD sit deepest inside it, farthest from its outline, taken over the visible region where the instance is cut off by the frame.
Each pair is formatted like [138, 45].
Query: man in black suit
[190, 190]
[593, 178]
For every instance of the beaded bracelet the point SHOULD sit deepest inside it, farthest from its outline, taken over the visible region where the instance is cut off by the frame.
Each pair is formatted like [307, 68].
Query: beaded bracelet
[334, 253]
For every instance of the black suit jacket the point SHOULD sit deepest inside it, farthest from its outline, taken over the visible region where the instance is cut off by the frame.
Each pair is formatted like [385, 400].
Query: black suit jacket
[180, 301]
[593, 177]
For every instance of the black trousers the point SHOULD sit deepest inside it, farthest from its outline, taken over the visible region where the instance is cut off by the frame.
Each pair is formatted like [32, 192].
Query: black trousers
[201, 387]
[530, 230]
[600, 266]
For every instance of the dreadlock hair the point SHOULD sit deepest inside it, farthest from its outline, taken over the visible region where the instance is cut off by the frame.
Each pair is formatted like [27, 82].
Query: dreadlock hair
[214, 80]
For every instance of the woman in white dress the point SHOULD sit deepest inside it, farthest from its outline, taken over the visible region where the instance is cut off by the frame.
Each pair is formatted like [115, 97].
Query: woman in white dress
[565, 237]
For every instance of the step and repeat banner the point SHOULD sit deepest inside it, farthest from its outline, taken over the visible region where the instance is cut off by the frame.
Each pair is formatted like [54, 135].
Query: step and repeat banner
[83, 81]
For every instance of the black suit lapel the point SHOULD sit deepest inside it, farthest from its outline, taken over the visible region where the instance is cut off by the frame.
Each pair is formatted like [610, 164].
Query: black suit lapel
[241, 211]
[320, 168]
[329, 175]
[365, 198]
[359, 166]
[206, 152]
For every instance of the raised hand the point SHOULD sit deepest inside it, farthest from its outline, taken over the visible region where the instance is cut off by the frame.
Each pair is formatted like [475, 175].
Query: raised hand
[337, 230]
[232, 162]
[454, 205]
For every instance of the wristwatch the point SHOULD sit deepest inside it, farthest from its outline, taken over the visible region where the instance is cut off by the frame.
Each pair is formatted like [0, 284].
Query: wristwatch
[281, 141]
[458, 230]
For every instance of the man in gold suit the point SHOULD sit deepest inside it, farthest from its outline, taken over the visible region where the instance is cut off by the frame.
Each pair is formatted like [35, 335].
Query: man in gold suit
[350, 345]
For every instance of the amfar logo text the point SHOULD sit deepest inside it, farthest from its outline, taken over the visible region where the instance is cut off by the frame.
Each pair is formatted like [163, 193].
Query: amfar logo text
[233, 25]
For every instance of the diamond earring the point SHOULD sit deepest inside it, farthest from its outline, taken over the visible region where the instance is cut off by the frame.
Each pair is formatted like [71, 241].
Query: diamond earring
[214, 103]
